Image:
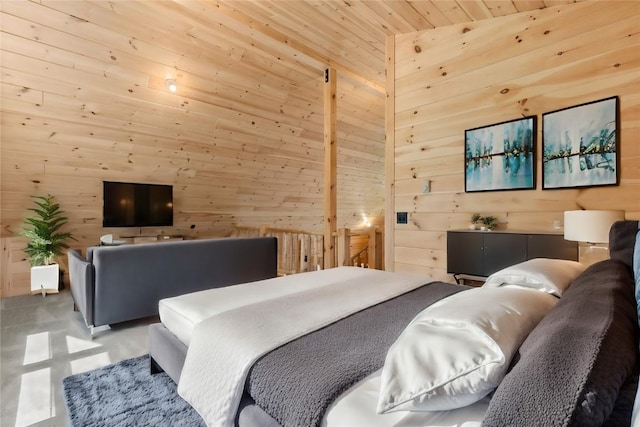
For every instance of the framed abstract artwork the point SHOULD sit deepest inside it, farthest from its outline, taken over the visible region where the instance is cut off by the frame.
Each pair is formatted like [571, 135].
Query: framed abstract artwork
[500, 156]
[580, 145]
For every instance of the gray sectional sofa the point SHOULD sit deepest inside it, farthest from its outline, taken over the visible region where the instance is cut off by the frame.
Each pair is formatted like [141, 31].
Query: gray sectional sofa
[120, 283]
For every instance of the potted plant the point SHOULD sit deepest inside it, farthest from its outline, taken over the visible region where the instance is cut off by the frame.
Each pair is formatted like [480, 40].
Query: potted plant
[490, 222]
[475, 218]
[46, 242]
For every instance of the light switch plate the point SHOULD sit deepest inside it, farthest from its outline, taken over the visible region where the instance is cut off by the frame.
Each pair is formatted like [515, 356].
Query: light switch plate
[426, 186]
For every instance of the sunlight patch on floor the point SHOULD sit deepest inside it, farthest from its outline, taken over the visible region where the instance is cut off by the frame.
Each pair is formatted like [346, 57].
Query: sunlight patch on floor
[75, 345]
[35, 402]
[90, 362]
[37, 348]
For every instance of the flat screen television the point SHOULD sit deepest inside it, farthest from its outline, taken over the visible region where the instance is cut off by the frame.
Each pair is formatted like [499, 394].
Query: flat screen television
[127, 204]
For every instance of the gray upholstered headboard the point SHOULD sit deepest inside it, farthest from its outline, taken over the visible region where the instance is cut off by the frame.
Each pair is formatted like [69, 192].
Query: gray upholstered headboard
[622, 238]
[589, 337]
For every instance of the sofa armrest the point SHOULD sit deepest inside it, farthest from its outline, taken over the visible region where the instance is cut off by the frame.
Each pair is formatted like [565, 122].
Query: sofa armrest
[81, 283]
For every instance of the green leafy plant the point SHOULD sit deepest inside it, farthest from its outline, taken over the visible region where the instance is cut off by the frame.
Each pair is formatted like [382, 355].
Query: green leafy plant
[490, 222]
[45, 239]
[475, 218]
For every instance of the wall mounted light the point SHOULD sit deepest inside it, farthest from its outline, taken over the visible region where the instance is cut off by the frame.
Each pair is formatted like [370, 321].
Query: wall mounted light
[365, 221]
[171, 85]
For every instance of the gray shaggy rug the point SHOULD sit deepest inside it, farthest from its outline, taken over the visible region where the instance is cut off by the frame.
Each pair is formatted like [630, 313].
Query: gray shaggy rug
[126, 394]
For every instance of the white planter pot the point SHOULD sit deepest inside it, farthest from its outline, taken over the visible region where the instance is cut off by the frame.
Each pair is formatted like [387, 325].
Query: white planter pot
[44, 279]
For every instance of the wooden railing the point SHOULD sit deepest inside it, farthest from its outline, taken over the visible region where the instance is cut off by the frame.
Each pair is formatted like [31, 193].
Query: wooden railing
[300, 251]
[369, 253]
[361, 258]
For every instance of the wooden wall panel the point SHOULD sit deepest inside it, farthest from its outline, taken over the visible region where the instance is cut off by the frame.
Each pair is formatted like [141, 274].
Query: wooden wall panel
[463, 76]
[15, 268]
[83, 99]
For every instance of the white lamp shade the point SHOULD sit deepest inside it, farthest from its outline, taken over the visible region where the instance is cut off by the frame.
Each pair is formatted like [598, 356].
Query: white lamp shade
[590, 226]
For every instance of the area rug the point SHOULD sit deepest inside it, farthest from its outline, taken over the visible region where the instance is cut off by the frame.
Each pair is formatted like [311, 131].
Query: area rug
[126, 394]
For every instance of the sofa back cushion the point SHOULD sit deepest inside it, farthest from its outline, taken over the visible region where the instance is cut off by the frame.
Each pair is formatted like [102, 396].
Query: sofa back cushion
[131, 279]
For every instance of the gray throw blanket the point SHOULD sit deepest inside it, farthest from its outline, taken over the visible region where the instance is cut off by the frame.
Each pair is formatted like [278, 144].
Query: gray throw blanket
[297, 382]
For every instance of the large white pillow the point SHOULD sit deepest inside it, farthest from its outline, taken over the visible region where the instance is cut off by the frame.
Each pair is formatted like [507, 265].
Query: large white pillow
[457, 350]
[548, 275]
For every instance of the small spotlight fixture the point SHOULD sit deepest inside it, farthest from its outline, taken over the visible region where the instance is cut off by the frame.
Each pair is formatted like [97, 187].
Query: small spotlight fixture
[171, 85]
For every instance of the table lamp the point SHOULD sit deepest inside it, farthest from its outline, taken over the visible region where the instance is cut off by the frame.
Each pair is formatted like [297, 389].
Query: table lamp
[591, 229]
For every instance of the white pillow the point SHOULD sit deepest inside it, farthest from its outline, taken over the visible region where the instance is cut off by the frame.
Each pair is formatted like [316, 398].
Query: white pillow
[457, 350]
[544, 274]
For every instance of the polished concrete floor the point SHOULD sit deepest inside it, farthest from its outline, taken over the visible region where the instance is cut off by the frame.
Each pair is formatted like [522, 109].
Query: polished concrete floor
[42, 341]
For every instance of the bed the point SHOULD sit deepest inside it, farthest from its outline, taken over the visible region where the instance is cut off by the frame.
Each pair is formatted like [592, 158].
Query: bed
[546, 342]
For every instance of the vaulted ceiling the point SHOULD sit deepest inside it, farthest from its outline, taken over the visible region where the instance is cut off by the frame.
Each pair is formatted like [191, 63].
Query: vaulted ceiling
[350, 34]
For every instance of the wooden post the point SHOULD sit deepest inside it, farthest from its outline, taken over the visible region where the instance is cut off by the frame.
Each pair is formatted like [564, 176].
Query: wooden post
[344, 247]
[389, 155]
[380, 249]
[295, 256]
[305, 240]
[318, 251]
[330, 166]
[372, 249]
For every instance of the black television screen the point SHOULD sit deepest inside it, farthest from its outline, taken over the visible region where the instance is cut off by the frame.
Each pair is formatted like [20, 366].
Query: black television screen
[127, 204]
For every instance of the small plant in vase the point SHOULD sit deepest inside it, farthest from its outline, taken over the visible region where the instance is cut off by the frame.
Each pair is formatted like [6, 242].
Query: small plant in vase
[490, 222]
[475, 218]
[46, 242]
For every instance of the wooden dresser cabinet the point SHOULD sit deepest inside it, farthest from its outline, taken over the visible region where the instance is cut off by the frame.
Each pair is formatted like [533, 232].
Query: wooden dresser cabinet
[481, 253]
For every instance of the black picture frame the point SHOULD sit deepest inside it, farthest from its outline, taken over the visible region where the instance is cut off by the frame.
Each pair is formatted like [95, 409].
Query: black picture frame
[501, 156]
[580, 145]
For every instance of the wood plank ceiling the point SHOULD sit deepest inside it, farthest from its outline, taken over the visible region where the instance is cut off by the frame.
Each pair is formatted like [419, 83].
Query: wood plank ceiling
[84, 100]
[350, 35]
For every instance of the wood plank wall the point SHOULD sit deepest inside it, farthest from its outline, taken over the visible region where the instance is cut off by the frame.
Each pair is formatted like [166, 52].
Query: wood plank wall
[464, 76]
[84, 100]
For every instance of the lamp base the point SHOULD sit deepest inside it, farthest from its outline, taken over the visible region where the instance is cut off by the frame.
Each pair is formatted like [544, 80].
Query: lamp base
[589, 254]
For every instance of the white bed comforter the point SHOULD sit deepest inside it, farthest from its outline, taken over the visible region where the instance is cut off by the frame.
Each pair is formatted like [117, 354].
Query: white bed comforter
[224, 347]
[182, 313]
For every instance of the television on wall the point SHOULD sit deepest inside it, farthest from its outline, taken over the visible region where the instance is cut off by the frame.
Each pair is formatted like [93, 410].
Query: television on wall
[128, 204]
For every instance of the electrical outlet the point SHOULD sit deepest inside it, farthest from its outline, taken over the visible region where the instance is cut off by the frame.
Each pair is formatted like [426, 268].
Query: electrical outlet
[402, 218]
[426, 186]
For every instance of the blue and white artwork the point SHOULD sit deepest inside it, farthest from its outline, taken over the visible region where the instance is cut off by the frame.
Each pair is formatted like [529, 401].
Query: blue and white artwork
[501, 156]
[579, 146]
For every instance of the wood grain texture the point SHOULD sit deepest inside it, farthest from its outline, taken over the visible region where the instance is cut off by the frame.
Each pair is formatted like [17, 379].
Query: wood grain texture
[463, 76]
[15, 273]
[390, 182]
[83, 99]
[330, 199]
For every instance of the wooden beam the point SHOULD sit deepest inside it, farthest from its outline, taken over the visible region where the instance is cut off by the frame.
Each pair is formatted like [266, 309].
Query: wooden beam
[344, 247]
[389, 155]
[330, 167]
[372, 249]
